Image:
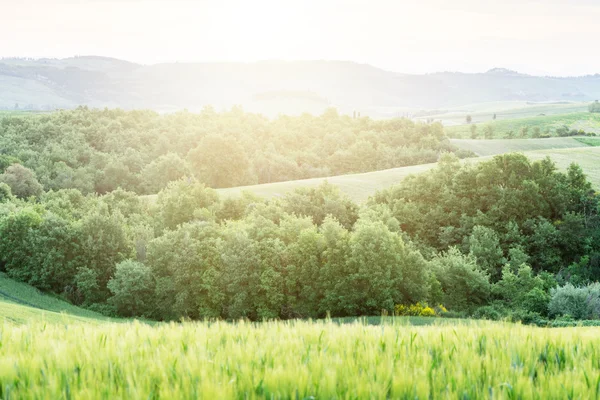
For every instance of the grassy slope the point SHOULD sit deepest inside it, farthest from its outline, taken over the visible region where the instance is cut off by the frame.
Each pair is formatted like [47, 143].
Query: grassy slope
[21, 303]
[360, 186]
[498, 146]
[483, 112]
[579, 120]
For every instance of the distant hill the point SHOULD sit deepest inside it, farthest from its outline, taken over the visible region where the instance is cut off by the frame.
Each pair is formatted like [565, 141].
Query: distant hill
[269, 87]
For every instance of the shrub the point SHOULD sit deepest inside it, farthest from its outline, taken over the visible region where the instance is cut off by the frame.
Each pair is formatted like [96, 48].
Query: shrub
[417, 310]
[576, 302]
[492, 312]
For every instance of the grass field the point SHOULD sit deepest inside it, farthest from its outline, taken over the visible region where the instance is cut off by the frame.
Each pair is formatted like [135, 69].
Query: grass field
[297, 360]
[360, 186]
[21, 303]
[590, 141]
[585, 121]
[498, 146]
[484, 112]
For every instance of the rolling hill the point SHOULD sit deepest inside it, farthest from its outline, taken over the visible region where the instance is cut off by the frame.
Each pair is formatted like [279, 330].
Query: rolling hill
[585, 121]
[359, 187]
[272, 87]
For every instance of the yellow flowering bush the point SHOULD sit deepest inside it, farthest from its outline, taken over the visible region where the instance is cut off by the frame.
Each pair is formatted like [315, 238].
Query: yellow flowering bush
[419, 310]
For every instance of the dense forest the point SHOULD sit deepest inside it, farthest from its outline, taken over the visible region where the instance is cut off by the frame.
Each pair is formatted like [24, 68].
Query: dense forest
[506, 237]
[142, 151]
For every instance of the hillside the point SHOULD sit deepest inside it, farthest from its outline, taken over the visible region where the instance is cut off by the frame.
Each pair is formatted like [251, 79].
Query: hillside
[585, 121]
[270, 87]
[498, 146]
[359, 187]
[20, 303]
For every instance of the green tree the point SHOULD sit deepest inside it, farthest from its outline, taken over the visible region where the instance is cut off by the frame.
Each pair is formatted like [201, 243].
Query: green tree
[488, 132]
[132, 288]
[484, 246]
[22, 181]
[177, 203]
[167, 168]
[464, 285]
[473, 129]
[220, 161]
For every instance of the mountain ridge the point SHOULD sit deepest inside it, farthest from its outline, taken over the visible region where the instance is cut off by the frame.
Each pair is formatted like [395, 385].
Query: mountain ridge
[99, 81]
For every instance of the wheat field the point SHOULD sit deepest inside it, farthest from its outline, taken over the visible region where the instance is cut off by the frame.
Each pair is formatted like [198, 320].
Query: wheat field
[297, 360]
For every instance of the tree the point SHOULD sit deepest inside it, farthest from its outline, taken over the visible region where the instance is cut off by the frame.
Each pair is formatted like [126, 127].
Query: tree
[473, 129]
[132, 288]
[167, 168]
[524, 131]
[469, 119]
[177, 203]
[22, 181]
[220, 162]
[594, 107]
[488, 132]
[464, 285]
[104, 244]
[484, 246]
[5, 193]
[494, 117]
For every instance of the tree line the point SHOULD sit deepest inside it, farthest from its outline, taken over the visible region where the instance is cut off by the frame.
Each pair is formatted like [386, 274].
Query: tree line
[142, 151]
[505, 236]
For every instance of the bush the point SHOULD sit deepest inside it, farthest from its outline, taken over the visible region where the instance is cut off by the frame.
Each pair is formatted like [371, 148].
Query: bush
[525, 317]
[576, 302]
[417, 310]
[491, 312]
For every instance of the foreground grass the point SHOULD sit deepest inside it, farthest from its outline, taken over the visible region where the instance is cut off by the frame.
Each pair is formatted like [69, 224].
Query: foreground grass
[297, 360]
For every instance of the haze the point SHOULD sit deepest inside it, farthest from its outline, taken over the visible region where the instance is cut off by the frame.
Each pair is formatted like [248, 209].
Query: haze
[550, 37]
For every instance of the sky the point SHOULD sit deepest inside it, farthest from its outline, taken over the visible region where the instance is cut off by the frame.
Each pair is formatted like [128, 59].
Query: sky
[550, 37]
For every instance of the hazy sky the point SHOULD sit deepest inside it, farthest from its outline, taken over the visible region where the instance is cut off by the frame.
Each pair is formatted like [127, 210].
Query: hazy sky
[557, 37]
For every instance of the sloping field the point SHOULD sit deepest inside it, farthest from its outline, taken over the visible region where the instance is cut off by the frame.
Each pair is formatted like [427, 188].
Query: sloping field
[360, 186]
[498, 146]
[588, 159]
[588, 122]
[20, 303]
[483, 112]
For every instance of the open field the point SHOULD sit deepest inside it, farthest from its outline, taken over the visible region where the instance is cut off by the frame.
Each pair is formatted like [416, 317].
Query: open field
[588, 122]
[359, 187]
[298, 360]
[21, 303]
[484, 112]
[493, 147]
